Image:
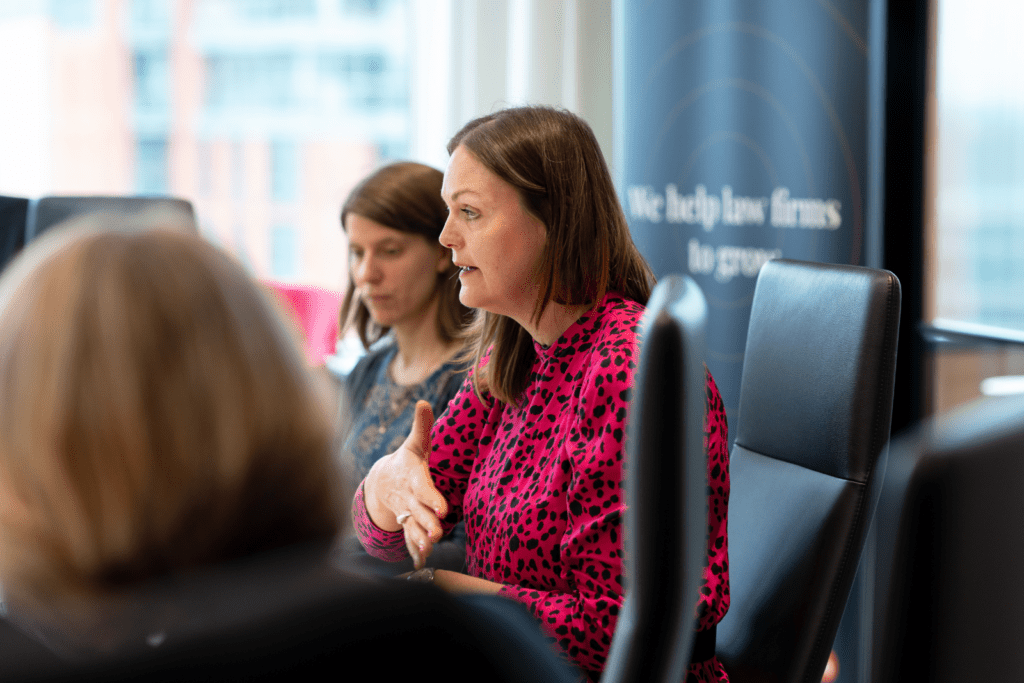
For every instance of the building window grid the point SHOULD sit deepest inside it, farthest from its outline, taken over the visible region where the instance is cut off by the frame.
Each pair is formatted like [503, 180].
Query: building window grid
[152, 80]
[372, 81]
[249, 80]
[151, 166]
[284, 252]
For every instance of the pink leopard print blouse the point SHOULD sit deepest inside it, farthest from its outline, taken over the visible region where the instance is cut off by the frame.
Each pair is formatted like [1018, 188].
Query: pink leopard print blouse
[540, 487]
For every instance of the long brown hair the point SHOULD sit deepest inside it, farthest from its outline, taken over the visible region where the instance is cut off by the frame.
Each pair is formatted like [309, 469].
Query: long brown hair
[156, 416]
[404, 196]
[552, 159]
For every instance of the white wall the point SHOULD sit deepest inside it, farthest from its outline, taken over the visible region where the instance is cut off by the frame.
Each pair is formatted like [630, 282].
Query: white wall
[473, 57]
[25, 145]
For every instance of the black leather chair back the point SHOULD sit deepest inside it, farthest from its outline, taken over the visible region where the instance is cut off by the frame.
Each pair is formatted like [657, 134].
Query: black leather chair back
[136, 212]
[13, 211]
[951, 550]
[666, 480]
[813, 424]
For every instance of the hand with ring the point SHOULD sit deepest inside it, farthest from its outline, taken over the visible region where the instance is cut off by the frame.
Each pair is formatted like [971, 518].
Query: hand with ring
[400, 494]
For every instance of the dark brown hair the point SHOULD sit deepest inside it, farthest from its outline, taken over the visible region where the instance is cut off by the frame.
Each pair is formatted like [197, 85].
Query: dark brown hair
[404, 196]
[552, 159]
[157, 416]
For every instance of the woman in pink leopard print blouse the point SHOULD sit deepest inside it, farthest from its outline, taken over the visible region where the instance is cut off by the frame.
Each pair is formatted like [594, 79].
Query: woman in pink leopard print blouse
[530, 451]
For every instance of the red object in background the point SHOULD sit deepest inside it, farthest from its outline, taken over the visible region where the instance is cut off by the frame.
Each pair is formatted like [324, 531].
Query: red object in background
[316, 312]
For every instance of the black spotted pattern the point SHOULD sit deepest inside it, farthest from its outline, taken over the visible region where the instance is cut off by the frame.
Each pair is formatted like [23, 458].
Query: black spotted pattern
[540, 486]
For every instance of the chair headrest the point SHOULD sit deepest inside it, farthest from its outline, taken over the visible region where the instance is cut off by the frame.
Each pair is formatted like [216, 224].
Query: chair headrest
[136, 212]
[812, 363]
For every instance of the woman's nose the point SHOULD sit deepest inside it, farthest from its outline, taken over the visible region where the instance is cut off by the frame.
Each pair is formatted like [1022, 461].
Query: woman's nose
[448, 235]
[367, 271]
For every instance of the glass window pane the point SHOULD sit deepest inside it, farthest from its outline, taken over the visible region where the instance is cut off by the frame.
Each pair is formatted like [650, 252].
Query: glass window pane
[145, 14]
[284, 252]
[284, 171]
[152, 80]
[151, 166]
[73, 14]
[979, 168]
[262, 113]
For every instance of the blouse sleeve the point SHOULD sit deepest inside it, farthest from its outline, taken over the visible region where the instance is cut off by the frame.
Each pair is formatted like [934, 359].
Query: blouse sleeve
[714, 595]
[582, 619]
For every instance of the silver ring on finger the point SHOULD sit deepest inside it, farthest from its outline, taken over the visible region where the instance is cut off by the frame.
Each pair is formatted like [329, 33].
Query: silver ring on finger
[402, 518]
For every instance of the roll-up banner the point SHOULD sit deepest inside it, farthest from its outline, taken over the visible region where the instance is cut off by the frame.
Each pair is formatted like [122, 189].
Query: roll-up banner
[748, 130]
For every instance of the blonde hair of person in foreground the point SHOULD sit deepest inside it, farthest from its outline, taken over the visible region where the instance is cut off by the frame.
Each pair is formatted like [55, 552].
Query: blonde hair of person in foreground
[156, 418]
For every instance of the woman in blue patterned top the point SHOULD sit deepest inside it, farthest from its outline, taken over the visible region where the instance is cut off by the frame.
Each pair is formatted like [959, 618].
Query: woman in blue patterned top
[403, 302]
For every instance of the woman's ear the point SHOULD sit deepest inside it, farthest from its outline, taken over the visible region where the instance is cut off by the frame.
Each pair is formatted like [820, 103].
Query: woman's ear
[444, 261]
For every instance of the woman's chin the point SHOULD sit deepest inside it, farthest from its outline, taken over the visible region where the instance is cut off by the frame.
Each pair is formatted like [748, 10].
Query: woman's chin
[381, 318]
[467, 299]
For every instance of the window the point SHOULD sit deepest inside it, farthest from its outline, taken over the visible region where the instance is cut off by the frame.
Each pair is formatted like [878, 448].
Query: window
[979, 165]
[320, 91]
[148, 14]
[367, 80]
[73, 14]
[974, 225]
[152, 80]
[365, 7]
[249, 80]
[284, 252]
[284, 171]
[276, 9]
[151, 166]
[393, 149]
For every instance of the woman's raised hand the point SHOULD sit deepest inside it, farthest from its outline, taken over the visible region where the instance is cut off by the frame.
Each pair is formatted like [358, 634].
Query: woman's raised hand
[400, 494]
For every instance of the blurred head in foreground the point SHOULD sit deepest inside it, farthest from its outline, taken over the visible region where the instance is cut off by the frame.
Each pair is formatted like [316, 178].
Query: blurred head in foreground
[156, 417]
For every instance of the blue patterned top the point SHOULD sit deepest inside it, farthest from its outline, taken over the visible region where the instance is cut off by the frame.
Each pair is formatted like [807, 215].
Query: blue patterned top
[378, 413]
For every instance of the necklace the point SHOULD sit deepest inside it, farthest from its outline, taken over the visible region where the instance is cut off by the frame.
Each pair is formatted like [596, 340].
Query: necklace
[393, 401]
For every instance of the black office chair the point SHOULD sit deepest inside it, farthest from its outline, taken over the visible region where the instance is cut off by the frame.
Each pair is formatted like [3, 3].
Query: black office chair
[814, 415]
[278, 618]
[666, 479]
[134, 212]
[950, 582]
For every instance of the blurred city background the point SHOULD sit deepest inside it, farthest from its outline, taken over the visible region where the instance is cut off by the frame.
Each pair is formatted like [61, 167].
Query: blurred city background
[264, 113]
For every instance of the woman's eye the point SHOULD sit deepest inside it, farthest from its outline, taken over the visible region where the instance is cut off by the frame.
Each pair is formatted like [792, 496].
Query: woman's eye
[469, 213]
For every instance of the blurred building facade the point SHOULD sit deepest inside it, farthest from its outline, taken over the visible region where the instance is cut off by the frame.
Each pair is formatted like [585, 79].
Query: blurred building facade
[263, 113]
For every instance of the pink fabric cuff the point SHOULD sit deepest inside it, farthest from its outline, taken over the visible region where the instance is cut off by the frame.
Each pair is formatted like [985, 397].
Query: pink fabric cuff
[384, 545]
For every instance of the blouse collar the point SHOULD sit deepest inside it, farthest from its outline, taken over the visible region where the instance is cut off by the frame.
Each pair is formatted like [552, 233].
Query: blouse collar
[572, 334]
